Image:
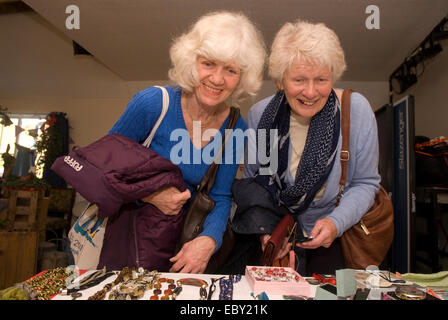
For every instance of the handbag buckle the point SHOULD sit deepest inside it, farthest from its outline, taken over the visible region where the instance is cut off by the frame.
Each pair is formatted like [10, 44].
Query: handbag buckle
[345, 155]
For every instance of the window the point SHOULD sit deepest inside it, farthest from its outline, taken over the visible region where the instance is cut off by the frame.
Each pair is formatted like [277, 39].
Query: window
[24, 131]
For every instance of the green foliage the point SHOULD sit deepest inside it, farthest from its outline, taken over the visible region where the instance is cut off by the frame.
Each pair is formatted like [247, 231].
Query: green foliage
[49, 145]
[8, 159]
[30, 181]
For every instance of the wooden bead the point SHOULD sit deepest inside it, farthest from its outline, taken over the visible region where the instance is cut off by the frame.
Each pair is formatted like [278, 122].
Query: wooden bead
[157, 291]
[171, 286]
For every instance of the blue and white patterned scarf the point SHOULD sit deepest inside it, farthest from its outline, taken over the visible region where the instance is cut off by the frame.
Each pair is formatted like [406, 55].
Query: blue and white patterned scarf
[318, 155]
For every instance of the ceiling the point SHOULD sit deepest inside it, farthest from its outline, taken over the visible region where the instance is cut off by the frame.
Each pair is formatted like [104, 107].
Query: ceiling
[132, 37]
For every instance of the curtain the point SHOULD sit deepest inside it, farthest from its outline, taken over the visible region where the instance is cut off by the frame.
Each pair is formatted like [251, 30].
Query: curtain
[24, 160]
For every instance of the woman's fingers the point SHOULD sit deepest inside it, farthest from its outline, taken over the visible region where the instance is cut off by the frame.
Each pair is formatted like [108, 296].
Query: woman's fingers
[194, 255]
[169, 200]
[323, 234]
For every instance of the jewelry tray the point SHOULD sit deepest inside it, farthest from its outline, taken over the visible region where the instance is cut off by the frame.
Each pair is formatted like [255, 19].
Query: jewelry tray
[276, 281]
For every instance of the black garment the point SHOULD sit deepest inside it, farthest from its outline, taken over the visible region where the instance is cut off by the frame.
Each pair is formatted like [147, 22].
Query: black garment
[324, 260]
[257, 214]
[247, 252]
[256, 211]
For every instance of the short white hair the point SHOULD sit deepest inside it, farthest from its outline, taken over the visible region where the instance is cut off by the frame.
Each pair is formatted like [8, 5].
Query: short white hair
[222, 36]
[313, 43]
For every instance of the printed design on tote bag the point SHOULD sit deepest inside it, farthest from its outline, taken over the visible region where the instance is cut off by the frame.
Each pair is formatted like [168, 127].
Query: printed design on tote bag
[88, 224]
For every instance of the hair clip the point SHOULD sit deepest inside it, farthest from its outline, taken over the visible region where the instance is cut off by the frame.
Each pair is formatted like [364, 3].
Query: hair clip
[193, 282]
[197, 283]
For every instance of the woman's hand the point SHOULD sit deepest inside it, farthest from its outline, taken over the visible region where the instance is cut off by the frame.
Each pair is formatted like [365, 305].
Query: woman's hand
[168, 200]
[286, 246]
[323, 234]
[194, 255]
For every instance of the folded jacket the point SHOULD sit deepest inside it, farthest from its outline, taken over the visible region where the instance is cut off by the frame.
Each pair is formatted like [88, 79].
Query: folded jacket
[256, 212]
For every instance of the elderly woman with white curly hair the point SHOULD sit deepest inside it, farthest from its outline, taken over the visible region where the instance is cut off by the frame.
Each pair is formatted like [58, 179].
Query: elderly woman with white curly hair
[305, 61]
[220, 60]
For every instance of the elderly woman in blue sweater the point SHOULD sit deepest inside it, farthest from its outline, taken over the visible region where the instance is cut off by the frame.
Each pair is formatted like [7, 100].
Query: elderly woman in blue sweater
[218, 61]
[305, 61]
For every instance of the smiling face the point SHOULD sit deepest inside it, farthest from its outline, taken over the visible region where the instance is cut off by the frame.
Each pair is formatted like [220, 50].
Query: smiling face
[307, 87]
[217, 81]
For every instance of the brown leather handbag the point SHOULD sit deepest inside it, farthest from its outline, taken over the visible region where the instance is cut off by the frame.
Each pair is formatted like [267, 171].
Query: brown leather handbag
[367, 242]
[202, 204]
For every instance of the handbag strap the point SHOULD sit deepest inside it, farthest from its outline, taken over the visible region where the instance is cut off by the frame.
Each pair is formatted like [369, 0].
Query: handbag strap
[208, 180]
[165, 104]
[345, 132]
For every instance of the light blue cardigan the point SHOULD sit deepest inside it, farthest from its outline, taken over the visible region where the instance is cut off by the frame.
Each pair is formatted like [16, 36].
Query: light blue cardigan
[362, 175]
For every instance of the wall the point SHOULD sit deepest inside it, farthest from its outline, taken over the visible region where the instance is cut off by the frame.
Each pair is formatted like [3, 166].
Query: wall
[40, 74]
[430, 97]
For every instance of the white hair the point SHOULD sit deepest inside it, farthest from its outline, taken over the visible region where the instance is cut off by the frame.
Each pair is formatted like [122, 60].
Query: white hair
[313, 42]
[223, 36]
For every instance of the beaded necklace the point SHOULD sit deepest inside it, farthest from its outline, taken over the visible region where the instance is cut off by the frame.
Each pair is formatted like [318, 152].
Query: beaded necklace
[226, 287]
[49, 283]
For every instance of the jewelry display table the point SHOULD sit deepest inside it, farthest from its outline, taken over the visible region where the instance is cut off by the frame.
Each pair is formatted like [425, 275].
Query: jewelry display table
[241, 289]
[230, 295]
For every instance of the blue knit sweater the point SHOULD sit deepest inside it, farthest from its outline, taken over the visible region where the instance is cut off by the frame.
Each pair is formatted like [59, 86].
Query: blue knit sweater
[139, 118]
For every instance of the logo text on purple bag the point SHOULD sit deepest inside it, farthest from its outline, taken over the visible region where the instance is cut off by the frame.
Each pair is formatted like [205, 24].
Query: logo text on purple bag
[73, 163]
